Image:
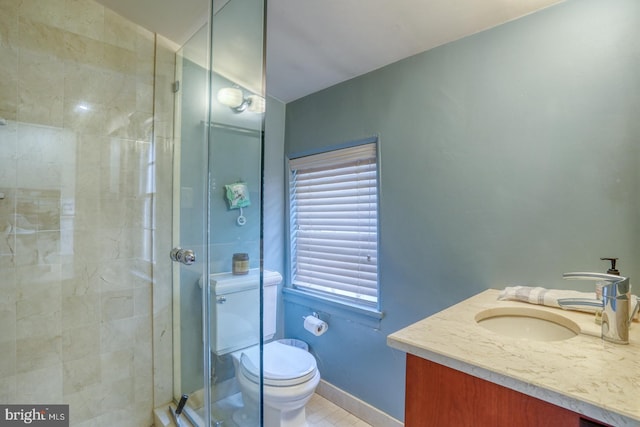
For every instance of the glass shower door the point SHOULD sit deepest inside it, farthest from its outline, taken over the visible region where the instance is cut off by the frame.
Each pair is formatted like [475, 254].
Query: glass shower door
[235, 219]
[218, 214]
[190, 225]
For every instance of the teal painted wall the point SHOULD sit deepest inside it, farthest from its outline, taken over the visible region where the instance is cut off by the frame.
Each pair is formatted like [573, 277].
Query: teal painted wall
[508, 157]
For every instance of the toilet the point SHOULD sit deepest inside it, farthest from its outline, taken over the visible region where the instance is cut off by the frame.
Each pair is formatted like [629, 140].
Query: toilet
[290, 374]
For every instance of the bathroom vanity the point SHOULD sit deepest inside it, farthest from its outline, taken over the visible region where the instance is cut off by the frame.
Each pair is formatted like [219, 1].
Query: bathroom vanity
[459, 373]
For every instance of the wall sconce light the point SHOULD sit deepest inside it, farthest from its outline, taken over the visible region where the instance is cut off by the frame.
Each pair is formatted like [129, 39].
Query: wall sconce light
[234, 98]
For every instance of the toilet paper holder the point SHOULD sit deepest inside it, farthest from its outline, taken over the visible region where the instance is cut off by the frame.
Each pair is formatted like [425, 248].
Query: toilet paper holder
[314, 324]
[314, 314]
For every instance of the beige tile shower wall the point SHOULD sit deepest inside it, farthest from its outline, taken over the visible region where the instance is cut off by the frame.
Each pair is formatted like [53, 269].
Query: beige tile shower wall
[77, 171]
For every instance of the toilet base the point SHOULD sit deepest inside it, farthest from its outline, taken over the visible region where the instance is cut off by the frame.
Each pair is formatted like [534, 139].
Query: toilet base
[283, 406]
[248, 417]
[244, 417]
[294, 418]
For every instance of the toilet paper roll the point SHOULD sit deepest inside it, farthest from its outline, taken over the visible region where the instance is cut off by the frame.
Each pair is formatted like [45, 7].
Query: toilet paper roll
[314, 325]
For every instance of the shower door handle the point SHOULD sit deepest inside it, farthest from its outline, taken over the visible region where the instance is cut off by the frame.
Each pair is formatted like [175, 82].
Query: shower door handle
[185, 256]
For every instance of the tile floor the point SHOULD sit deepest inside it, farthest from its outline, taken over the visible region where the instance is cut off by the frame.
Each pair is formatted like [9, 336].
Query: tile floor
[323, 413]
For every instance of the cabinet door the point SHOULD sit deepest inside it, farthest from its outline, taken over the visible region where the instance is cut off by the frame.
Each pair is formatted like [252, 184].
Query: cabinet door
[439, 396]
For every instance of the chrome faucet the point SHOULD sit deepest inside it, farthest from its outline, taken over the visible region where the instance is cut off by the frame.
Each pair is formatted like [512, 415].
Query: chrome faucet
[616, 310]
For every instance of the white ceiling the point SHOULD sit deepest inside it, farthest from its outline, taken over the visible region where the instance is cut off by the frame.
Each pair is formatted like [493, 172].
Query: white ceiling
[314, 44]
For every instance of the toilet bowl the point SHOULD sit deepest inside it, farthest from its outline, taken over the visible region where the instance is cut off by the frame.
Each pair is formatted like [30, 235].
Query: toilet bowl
[290, 377]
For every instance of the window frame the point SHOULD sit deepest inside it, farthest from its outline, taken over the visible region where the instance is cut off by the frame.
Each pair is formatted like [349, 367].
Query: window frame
[330, 300]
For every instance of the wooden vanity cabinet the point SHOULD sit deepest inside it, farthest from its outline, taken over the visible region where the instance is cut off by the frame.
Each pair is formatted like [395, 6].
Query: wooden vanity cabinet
[439, 396]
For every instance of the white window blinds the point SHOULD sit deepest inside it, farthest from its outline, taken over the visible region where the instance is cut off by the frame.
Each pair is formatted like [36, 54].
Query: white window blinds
[334, 223]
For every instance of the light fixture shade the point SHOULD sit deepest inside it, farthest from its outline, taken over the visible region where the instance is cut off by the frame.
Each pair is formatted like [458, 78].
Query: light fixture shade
[257, 104]
[230, 96]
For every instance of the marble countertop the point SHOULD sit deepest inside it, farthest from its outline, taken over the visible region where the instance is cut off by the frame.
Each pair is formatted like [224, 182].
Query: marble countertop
[583, 374]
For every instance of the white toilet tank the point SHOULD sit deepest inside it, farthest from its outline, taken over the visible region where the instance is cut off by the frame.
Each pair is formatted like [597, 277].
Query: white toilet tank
[235, 309]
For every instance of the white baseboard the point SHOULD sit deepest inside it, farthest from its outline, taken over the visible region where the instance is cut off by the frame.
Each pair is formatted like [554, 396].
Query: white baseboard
[357, 407]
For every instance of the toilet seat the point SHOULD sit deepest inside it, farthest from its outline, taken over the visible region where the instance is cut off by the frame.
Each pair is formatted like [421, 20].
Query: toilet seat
[283, 365]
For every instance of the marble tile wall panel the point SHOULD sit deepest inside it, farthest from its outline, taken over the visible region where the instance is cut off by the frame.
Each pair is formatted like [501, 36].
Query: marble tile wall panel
[77, 171]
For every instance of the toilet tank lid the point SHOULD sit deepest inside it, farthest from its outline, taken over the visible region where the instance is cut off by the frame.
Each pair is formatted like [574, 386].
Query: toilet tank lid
[226, 283]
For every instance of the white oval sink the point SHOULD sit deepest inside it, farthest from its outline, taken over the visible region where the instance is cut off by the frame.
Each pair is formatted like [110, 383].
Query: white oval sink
[527, 323]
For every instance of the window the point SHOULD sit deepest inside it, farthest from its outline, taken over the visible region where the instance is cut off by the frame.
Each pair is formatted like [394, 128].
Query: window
[334, 223]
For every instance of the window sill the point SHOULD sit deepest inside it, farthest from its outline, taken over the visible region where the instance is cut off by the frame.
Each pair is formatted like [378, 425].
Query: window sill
[357, 313]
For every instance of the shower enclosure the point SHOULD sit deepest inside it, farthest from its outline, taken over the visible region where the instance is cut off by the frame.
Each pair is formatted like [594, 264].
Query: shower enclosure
[217, 198]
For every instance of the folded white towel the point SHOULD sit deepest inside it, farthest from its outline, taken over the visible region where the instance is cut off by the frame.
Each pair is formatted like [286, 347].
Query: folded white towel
[570, 300]
[567, 300]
